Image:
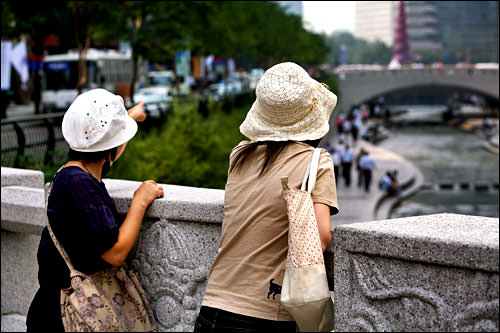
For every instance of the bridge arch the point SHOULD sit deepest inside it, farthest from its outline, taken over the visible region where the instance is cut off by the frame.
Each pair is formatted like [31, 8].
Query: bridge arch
[357, 87]
[424, 88]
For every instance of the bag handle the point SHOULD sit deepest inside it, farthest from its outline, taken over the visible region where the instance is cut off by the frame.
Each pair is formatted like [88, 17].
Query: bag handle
[311, 171]
[62, 252]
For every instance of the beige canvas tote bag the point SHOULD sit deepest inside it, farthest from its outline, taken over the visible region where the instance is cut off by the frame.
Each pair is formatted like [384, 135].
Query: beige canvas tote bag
[111, 300]
[304, 291]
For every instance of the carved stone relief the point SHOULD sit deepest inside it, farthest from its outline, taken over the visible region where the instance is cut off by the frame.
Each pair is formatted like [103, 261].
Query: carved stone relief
[163, 259]
[383, 305]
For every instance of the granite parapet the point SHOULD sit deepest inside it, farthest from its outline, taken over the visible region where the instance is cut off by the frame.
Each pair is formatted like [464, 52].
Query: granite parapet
[426, 273]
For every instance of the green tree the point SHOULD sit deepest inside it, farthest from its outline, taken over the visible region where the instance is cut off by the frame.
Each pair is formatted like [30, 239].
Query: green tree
[358, 51]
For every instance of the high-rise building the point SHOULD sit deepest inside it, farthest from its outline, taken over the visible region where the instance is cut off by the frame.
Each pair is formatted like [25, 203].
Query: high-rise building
[452, 30]
[469, 29]
[375, 20]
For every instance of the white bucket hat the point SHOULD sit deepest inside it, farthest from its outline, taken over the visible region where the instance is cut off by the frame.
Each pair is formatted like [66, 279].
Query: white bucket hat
[96, 121]
[290, 105]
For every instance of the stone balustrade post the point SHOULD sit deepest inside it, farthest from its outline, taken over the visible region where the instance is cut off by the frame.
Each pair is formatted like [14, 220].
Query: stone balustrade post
[426, 273]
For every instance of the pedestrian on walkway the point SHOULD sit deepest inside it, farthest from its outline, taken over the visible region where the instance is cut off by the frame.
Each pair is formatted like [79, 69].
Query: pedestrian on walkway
[340, 147]
[366, 164]
[80, 211]
[358, 167]
[347, 126]
[347, 157]
[337, 162]
[357, 124]
[287, 120]
[338, 123]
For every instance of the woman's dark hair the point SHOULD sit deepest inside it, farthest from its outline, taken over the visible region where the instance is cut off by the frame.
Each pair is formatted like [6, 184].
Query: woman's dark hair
[74, 155]
[273, 149]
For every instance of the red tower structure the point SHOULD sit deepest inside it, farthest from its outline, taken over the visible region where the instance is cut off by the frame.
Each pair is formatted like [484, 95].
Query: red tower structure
[401, 51]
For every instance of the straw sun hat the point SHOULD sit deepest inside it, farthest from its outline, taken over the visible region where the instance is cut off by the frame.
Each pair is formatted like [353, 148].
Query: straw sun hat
[290, 105]
[96, 121]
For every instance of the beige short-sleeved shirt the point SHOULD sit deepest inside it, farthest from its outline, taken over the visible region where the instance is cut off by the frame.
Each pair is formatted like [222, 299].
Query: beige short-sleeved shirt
[254, 242]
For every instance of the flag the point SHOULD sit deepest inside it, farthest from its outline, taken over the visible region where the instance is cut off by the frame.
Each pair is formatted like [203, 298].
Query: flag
[6, 50]
[19, 60]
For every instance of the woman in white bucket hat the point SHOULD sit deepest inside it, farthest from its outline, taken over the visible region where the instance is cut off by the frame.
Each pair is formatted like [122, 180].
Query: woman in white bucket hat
[81, 213]
[285, 123]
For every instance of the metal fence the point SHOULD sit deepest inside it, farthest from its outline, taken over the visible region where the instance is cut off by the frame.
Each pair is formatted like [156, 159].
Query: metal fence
[37, 138]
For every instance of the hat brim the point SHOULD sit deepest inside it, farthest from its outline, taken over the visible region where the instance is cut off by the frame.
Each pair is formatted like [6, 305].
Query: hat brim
[313, 126]
[123, 136]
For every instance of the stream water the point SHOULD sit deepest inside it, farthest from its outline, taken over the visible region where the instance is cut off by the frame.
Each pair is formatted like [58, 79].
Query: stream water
[446, 155]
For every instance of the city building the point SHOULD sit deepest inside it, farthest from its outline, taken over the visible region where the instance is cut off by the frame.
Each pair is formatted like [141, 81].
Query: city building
[446, 30]
[375, 20]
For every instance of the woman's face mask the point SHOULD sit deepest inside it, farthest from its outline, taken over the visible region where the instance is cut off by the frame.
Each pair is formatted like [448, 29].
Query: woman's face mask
[113, 156]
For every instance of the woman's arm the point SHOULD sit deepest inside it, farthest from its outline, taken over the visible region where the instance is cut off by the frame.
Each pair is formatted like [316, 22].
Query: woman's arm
[137, 113]
[143, 197]
[322, 212]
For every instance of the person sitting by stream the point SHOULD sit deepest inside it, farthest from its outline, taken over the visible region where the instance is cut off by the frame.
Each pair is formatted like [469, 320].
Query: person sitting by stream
[389, 183]
[371, 133]
[395, 189]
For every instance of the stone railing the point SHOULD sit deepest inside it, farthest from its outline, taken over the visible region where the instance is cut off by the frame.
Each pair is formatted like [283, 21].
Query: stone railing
[436, 272]
[178, 241]
[426, 273]
[22, 209]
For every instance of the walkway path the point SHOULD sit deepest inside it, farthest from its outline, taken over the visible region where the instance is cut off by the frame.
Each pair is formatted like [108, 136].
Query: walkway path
[355, 204]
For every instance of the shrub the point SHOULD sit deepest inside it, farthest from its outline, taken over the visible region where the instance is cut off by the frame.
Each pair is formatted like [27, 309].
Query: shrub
[189, 149]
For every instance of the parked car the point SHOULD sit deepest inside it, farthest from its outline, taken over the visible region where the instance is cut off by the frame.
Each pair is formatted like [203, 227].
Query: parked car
[217, 91]
[157, 94]
[156, 99]
[255, 75]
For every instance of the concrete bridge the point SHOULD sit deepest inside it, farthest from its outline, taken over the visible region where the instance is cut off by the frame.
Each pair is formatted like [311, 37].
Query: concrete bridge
[359, 86]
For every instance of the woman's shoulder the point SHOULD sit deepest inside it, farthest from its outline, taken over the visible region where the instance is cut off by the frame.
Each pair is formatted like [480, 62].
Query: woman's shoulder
[303, 149]
[75, 183]
[72, 175]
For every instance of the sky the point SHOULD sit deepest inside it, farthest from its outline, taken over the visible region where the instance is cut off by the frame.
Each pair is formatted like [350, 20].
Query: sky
[328, 16]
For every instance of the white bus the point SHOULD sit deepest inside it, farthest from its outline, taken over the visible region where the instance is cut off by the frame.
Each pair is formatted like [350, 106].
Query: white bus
[107, 69]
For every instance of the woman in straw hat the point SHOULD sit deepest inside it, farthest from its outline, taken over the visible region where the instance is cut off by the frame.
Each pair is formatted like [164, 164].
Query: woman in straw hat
[286, 122]
[81, 213]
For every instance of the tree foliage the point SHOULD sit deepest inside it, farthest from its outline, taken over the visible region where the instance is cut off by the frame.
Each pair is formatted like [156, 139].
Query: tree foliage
[259, 30]
[189, 149]
[358, 51]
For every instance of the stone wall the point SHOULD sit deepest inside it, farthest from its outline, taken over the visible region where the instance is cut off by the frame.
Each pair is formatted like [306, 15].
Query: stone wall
[22, 222]
[435, 272]
[178, 242]
[427, 273]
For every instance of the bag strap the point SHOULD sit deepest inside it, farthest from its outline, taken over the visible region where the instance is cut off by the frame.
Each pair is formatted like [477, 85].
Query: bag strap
[311, 171]
[62, 252]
